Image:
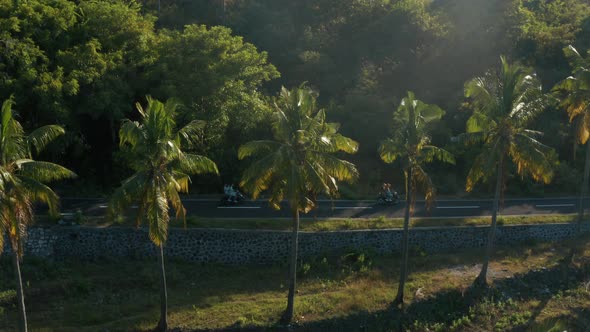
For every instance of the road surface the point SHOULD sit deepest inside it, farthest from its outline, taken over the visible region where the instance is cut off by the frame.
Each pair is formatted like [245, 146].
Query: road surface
[210, 208]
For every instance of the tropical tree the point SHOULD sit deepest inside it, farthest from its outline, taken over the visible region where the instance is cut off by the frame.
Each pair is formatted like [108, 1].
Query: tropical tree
[504, 104]
[21, 185]
[299, 164]
[162, 169]
[577, 105]
[410, 144]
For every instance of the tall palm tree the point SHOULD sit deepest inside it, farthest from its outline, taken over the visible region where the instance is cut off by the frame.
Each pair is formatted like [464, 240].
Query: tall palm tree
[504, 104]
[162, 170]
[411, 145]
[21, 185]
[298, 164]
[577, 105]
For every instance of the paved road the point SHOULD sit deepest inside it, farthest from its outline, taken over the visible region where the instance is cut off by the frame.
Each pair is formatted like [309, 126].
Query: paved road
[209, 208]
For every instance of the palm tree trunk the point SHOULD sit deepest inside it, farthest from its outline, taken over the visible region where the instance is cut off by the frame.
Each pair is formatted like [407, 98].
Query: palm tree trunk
[288, 316]
[19, 293]
[584, 188]
[482, 279]
[163, 323]
[399, 299]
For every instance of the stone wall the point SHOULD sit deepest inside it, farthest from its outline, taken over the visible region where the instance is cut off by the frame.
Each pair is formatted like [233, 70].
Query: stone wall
[265, 247]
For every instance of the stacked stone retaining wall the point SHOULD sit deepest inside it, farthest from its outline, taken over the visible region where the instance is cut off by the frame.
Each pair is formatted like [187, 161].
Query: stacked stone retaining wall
[267, 247]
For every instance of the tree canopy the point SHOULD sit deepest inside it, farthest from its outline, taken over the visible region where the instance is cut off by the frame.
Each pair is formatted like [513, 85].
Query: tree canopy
[84, 64]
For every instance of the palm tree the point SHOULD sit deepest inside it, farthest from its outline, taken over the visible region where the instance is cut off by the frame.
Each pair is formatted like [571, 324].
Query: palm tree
[577, 105]
[162, 171]
[411, 145]
[298, 164]
[21, 185]
[504, 104]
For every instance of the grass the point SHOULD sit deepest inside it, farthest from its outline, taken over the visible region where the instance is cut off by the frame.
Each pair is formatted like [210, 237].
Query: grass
[324, 225]
[532, 290]
[373, 223]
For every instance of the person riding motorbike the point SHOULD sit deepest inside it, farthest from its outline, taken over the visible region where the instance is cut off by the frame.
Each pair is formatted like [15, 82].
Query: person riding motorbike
[230, 193]
[387, 195]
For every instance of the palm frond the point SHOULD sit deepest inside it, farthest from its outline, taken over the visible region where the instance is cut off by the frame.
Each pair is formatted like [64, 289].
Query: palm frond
[132, 189]
[12, 140]
[43, 171]
[40, 137]
[190, 133]
[196, 164]
[430, 153]
[38, 192]
[390, 150]
[176, 203]
[472, 138]
[479, 90]
[429, 112]
[482, 167]
[334, 167]
[573, 57]
[259, 175]
[423, 183]
[479, 122]
[157, 213]
[131, 133]
[531, 157]
[257, 147]
[340, 143]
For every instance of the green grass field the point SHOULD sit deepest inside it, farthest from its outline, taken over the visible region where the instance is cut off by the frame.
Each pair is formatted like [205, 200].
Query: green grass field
[532, 290]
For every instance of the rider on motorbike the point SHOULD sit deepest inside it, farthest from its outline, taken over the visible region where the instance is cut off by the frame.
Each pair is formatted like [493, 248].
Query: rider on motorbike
[386, 194]
[230, 193]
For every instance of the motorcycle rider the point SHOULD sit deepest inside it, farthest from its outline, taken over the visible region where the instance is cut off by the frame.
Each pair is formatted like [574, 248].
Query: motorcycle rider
[388, 193]
[230, 193]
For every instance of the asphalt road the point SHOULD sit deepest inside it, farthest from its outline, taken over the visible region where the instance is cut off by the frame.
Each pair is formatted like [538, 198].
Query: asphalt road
[210, 208]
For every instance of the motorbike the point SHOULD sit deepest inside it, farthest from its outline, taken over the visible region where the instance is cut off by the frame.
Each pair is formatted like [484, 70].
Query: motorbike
[226, 201]
[391, 200]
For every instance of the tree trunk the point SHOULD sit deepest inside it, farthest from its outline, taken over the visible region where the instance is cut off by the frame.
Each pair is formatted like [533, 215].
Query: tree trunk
[399, 299]
[163, 323]
[584, 188]
[20, 297]
[288, 316]
[482, 279]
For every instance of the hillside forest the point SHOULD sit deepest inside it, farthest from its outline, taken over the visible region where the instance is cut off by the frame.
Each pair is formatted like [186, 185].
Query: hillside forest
[85, 64]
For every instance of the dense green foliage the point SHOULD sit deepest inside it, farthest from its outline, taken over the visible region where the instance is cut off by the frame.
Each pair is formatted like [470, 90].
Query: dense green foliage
[84, 64]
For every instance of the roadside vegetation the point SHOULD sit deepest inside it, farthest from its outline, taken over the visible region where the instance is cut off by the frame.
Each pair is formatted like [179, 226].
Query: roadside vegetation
[531, 288]
[310, 224]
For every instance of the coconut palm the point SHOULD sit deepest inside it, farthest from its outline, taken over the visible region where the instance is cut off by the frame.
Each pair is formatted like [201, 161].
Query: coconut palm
[21, 185]
[410, 144]
[504, 104]
[577, 105]
[298, 164]
[162, 169]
